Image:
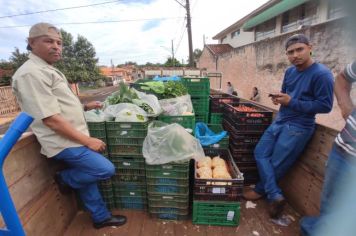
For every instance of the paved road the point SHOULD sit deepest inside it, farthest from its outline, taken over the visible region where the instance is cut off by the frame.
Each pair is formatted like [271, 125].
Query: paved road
[97, 94]
[86, 96]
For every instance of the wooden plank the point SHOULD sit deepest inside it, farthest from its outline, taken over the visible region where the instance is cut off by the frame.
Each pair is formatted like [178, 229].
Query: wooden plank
[22, 160]
[314, 161]
[78, 224]
[150, 226]
[49, 215]
[187, 228]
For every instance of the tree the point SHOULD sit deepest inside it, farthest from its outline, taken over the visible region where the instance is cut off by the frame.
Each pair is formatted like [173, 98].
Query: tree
[197, 53]
[78, 59]
[6, 71]
[172, 63]
[17, 58]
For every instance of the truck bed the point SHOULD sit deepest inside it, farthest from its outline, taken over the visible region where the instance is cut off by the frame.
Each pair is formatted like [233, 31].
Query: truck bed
[253, 221]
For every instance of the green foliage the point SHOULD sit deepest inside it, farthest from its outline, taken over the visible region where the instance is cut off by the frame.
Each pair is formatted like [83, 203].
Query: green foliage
[78, 60]
[17, 58]
[172, 63]
[197, 53]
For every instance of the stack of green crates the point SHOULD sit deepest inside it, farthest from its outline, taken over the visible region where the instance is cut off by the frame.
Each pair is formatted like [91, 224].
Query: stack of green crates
[199, 90]
[168, 190]
[125, 140]
[98, 130]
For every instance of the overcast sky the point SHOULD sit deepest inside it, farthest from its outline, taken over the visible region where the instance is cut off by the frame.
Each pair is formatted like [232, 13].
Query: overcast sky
[142, 31]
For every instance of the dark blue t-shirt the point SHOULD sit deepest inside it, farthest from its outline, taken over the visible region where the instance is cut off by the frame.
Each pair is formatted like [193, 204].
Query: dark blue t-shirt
[311, 92]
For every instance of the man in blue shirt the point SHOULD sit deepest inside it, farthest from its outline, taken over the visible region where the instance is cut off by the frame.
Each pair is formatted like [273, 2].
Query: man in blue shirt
[307, 89]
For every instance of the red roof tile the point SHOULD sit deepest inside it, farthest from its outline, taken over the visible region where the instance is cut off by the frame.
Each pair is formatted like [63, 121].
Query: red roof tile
[217, 49]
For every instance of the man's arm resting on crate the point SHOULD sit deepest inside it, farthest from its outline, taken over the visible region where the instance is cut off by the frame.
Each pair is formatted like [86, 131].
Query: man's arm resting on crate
[63, 128]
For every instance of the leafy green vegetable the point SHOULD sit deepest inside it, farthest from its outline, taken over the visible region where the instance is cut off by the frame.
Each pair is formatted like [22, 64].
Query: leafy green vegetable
[163, 90]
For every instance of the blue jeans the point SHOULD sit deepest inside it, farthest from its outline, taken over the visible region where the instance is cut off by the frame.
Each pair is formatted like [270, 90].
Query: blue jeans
[277, 150]
[339, 168]
[86, 169]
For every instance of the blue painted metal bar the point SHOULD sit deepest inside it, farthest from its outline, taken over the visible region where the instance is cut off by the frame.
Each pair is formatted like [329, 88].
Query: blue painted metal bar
[7, 208]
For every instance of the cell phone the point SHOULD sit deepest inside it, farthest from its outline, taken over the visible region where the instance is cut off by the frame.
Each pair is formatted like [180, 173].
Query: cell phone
[274, 95]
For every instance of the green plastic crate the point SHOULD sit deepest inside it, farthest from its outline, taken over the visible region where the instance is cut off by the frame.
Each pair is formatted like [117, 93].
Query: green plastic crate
[198, 86]
[168, 189]
[167, 181]
[125, 141]
[130, 176]
[125, 150]
[200, 104]
[112, 125]
[216, 118]
[128, 162]
[187, 121]
[126, 133]
[171, 170]
[204, 117]
[133, 203]
[216, 213]
[168, 201]
[97, 129]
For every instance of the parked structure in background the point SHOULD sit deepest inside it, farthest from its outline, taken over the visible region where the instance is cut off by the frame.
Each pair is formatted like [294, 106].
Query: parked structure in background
[150, 72]
[278, 17]
[115, 74]
[259, 59]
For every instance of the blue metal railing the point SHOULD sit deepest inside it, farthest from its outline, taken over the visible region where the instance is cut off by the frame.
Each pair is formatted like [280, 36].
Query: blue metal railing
[7, 208]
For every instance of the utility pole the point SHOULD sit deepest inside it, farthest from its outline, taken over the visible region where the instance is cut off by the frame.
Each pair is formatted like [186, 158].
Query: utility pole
[173, 55]
[189, 26]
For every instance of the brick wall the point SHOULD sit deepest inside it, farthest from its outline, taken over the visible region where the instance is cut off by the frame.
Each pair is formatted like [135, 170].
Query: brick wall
[262, 64]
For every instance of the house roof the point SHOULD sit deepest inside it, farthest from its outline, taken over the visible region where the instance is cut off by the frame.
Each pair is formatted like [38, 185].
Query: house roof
[108, 71]
[240, 22]
[217, 49]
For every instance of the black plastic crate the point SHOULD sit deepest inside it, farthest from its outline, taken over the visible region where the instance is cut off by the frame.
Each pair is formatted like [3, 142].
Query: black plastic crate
[242, 147]
[239, 156]
[220, 189]
[257, 114]
[245, 138]
[234, 128]
[217, 102]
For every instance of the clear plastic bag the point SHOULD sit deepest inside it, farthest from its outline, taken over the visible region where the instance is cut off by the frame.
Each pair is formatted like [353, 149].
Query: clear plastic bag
[94, 115]
[149, 99]
[125, 112]
[166, 143]
[177, 106]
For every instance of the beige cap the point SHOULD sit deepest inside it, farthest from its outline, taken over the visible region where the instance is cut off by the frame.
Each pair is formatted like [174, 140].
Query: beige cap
[43, 29]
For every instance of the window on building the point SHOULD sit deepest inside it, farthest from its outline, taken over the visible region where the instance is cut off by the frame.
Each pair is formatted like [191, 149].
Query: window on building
[266, 29]
[235, 33]
[305, 14]
[335, 9]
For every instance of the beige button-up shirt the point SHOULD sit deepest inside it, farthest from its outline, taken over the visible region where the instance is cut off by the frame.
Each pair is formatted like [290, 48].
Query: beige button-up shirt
[43, 91]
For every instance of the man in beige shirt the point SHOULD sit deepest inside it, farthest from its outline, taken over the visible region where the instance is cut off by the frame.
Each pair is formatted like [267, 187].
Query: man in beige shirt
[59, 125]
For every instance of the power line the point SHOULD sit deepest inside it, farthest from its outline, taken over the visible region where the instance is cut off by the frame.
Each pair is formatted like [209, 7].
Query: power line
[95, 22]
[58, 9]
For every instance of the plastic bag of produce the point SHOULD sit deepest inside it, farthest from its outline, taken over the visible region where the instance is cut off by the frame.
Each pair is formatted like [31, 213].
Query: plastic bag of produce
[176, 106]
[206, 136]
[126, 112]
[149, 101]
[166, 143]
[94, 116]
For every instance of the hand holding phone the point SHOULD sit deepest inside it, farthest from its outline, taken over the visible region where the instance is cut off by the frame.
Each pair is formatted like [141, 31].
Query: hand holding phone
[273, 95]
